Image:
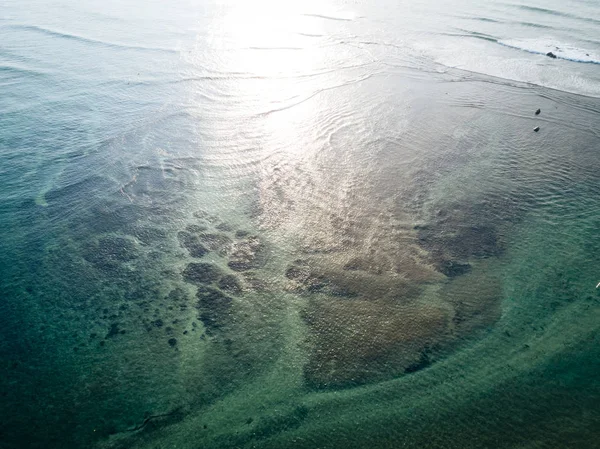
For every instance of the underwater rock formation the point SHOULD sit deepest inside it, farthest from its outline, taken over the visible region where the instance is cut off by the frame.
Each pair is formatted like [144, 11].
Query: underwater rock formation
[395, 299]
[192, 243]
[200, 273]
[361, 340]
[386, 329]
[109, 251]
[219, 243]
[217, 285]
[230, 284]
[214, 308]
[246, 254]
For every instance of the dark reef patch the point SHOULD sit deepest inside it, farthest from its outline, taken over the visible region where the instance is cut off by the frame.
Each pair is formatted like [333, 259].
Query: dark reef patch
[298, 273]
[113, 331]
[247, 254]
[460, 241]
[230, 284]
[117, 248]
[158, 323]
[216, 242]
[306, 280]
[457, 235]
[452, 268]
[201, 273]
[109, 251]
[192, 243]
[214, 308]
[195, 228]
[224, 227]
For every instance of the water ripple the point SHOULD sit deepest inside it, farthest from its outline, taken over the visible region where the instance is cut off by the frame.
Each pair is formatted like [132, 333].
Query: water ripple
[86, 40]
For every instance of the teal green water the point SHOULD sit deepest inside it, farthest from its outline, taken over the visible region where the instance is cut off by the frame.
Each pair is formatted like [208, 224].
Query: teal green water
[301, 226]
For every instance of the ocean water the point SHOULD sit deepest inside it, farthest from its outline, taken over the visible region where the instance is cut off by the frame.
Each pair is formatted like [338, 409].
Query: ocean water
[299, 224]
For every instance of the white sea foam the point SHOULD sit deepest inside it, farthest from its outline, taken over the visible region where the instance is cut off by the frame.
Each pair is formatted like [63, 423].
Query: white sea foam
[529, 66]
[561, 50]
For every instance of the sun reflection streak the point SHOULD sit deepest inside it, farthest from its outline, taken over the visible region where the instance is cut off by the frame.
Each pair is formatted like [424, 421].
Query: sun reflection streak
[270, 39]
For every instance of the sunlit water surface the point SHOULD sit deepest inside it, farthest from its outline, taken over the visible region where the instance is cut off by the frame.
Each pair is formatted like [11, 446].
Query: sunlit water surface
[303, 225]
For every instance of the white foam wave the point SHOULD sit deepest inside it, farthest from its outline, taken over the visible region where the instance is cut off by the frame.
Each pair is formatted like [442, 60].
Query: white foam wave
[504, 62]
[543, 46]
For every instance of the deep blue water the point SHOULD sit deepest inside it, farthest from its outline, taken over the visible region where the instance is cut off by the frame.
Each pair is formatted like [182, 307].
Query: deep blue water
[266, 225]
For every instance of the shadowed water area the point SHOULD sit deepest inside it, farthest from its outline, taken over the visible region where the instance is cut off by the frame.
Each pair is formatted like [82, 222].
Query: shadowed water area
[226, 225]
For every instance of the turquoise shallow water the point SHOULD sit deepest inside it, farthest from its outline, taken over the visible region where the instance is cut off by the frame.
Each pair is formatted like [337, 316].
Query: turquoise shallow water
[226, 225]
